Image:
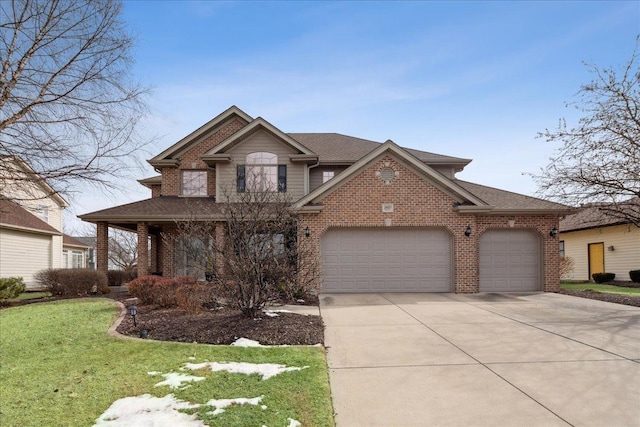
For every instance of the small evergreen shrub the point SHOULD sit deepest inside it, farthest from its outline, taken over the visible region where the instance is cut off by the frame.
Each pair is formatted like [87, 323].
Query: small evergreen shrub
[635, 276]
[120, 277]
[11, 287]
[71, 281]
[603, 277]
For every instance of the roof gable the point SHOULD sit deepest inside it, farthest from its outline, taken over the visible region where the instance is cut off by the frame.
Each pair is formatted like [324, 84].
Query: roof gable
[390, 147]
[19, 167]
[203, 130]
[254, 126]
[16, 217]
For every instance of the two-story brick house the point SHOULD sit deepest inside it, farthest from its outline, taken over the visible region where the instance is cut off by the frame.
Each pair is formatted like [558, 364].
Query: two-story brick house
[382, 218]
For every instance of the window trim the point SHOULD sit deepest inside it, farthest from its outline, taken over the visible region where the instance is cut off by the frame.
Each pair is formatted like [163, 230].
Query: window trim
[327, 175]
[262, 164]
[562, 248]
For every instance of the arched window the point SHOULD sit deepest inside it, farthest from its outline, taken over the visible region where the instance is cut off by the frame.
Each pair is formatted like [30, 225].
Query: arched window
[262, 173]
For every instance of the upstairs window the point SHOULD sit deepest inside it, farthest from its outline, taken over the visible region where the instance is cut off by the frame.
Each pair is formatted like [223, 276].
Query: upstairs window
[194, 183]
[261, 173]
[326, 176]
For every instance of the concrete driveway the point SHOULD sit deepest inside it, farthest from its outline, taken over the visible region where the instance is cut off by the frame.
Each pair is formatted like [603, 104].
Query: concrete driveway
[482, 360]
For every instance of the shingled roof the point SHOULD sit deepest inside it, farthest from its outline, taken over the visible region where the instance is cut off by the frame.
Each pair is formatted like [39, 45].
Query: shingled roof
[72, 241]
[166, 208]
[593, 217]
[501, 199]
[14, 215]
[338, 148]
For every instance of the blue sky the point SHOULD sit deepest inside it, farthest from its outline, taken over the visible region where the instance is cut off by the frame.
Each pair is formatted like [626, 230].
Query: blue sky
[468, 79]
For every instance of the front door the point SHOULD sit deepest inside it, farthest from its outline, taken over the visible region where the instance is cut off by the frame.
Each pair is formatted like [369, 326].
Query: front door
[596, 259]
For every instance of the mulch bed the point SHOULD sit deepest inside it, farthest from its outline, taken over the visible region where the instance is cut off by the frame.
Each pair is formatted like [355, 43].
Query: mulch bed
[601, 296]
[223, 326]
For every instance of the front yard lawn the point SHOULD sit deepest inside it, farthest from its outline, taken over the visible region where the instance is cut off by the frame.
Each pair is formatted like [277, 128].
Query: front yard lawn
[58, 367]
[601, 288]
[30, 295]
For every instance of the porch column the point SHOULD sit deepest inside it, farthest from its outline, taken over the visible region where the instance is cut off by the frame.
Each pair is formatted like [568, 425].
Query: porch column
[143, 249]
[102, 246]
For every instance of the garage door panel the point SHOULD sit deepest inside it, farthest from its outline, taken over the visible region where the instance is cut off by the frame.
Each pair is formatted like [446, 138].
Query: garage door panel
[510, 261]
[378, 260]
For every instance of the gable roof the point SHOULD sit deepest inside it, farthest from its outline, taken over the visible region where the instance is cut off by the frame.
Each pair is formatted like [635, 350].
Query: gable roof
[593, 216]
[390, 147]
[338, 148]
[252, 127]
[198, 133]
[16, 217]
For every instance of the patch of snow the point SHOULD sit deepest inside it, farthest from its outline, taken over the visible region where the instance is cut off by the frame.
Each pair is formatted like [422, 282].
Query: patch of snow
[270, 313]
[175, 380]
[300, 300]
[191, 358]
[148, 410]
[220, 404]
[263, 407]
[245, 342]
[153, 373]
[293, 423]
[267, 370]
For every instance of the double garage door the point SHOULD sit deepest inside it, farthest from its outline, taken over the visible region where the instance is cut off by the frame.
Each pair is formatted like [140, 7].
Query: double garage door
[387, 260]
[421, 260]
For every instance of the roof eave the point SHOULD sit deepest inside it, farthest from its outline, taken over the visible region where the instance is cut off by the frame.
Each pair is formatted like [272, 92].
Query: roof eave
[30, 229]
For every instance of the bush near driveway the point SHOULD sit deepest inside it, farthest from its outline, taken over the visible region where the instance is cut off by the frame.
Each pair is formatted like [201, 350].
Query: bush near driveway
[60, 368]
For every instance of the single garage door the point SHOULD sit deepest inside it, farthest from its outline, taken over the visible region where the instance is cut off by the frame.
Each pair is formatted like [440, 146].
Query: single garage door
[387, 260]
[510, 261]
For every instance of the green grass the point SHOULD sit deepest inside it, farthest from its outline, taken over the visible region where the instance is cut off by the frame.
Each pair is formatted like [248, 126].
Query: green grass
[58, 367]
[611, 289]
[30, 295]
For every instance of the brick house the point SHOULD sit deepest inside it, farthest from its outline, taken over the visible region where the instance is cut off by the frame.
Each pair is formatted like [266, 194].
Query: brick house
[380, 217]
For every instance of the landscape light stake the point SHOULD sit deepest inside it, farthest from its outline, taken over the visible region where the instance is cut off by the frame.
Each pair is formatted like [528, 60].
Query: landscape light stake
[133, 310]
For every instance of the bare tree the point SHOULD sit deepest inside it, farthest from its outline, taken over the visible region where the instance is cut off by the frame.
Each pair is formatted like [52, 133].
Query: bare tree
[261, 255]
[599, 160]
[123, 249]
[68, 105]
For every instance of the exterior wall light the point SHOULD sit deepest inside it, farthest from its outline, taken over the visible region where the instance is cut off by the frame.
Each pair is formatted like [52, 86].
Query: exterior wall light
[553, 232]
[307, 233]
[467, 232]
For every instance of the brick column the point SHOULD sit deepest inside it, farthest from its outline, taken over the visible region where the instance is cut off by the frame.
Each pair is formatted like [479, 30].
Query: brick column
[143, 249]
[102, 246]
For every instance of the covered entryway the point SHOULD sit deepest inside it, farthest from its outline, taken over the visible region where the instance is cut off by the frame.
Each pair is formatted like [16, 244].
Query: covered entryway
[510, 261]
[387, 260]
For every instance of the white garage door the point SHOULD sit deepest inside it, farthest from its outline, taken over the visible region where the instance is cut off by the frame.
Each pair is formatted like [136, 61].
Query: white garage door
[387, 260]
[510, 261]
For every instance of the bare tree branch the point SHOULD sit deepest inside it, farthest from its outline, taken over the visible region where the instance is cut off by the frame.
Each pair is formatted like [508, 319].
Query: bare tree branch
[68, 106]
[599, 161]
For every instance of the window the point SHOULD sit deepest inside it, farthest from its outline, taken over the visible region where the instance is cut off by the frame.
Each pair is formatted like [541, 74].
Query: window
[262, 173]
[326, 176]
[194, 257]
[65, 258]
[77, 259]
[561, 244]
[194, 183]
[43, 212]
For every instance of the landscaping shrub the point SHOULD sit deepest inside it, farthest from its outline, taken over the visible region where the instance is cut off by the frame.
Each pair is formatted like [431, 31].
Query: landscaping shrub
[11, 287]
[193, 297]
[154, 290]
[635, 276]
[71, 281]
[603, 277]
[120, 277]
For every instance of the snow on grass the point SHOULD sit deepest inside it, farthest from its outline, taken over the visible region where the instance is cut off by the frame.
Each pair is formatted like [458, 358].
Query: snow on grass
[245, 342]
[175, 380]
[293, 423]
[267, 370]
[220, 404]
[148, 410]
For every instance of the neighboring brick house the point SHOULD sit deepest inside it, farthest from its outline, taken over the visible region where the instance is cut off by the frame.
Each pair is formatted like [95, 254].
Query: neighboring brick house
[600, 243]
[31, 237]
[381, 217]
